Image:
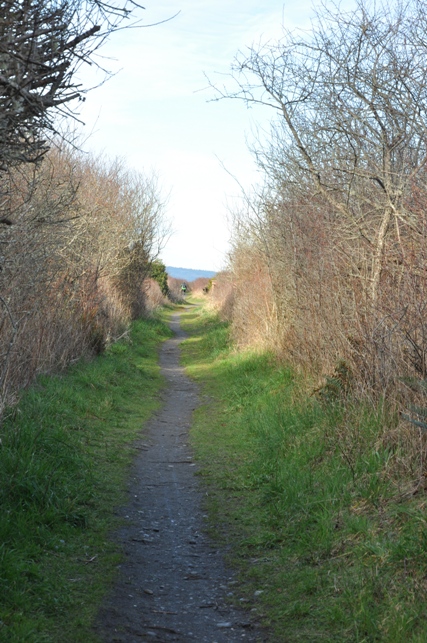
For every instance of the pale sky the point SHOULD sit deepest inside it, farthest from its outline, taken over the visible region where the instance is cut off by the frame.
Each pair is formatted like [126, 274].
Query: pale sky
[156, 112]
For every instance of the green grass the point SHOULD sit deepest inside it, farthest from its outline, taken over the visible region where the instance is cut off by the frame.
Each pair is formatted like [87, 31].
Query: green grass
[303, 492]
[64, 458]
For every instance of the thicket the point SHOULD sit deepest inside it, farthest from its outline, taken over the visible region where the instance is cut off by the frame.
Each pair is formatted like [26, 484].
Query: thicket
[77, 233]
[73, 262]
[200, 286]
[329, 260]
[174, 287]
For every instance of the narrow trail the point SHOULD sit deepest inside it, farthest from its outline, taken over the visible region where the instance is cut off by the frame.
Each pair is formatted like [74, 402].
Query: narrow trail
[172, 585]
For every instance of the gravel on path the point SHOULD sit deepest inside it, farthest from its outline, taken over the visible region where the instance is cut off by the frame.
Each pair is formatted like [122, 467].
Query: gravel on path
[173, 584]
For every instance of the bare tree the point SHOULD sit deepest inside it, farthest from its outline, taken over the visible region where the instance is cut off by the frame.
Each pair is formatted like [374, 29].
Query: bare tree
[352, 99]
[42, 43]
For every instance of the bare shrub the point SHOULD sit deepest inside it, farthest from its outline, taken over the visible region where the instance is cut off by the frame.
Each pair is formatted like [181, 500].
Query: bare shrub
[321, 310]
[77, 234]
[73, 262]
[42, 45]
[221, 294]
[154, 298]
[339, 228]
[32, 277]
[254, 309]
[200, 286]
[175, 292]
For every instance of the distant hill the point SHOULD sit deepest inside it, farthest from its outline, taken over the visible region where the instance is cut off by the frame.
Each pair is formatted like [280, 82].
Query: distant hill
[188, 274]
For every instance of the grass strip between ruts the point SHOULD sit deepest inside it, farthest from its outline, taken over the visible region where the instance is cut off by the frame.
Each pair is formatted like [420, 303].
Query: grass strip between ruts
[300, 491]
[65, 454]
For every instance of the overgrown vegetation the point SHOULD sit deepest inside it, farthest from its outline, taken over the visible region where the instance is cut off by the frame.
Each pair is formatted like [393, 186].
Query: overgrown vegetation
[329, 260]
[73, 263]
[319, 496]
[328, 275]
[176, 294]
[64, 460]
[77, 233]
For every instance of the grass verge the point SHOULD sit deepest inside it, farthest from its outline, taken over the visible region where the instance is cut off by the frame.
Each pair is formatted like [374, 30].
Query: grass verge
[330, 542]
[64, 458]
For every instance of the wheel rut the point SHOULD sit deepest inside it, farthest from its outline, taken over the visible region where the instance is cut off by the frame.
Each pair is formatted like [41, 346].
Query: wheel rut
[173, 584]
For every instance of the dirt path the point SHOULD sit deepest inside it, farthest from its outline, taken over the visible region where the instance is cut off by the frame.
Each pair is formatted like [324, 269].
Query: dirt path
[173, 585]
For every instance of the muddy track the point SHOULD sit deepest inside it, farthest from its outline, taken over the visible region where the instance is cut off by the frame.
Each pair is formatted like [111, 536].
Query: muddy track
[172, 585]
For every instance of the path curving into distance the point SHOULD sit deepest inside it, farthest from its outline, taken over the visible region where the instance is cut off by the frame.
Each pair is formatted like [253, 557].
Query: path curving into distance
[172, 585]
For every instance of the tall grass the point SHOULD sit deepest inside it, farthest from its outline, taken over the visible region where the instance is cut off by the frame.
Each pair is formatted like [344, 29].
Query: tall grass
[64, 455]
[317, 518]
